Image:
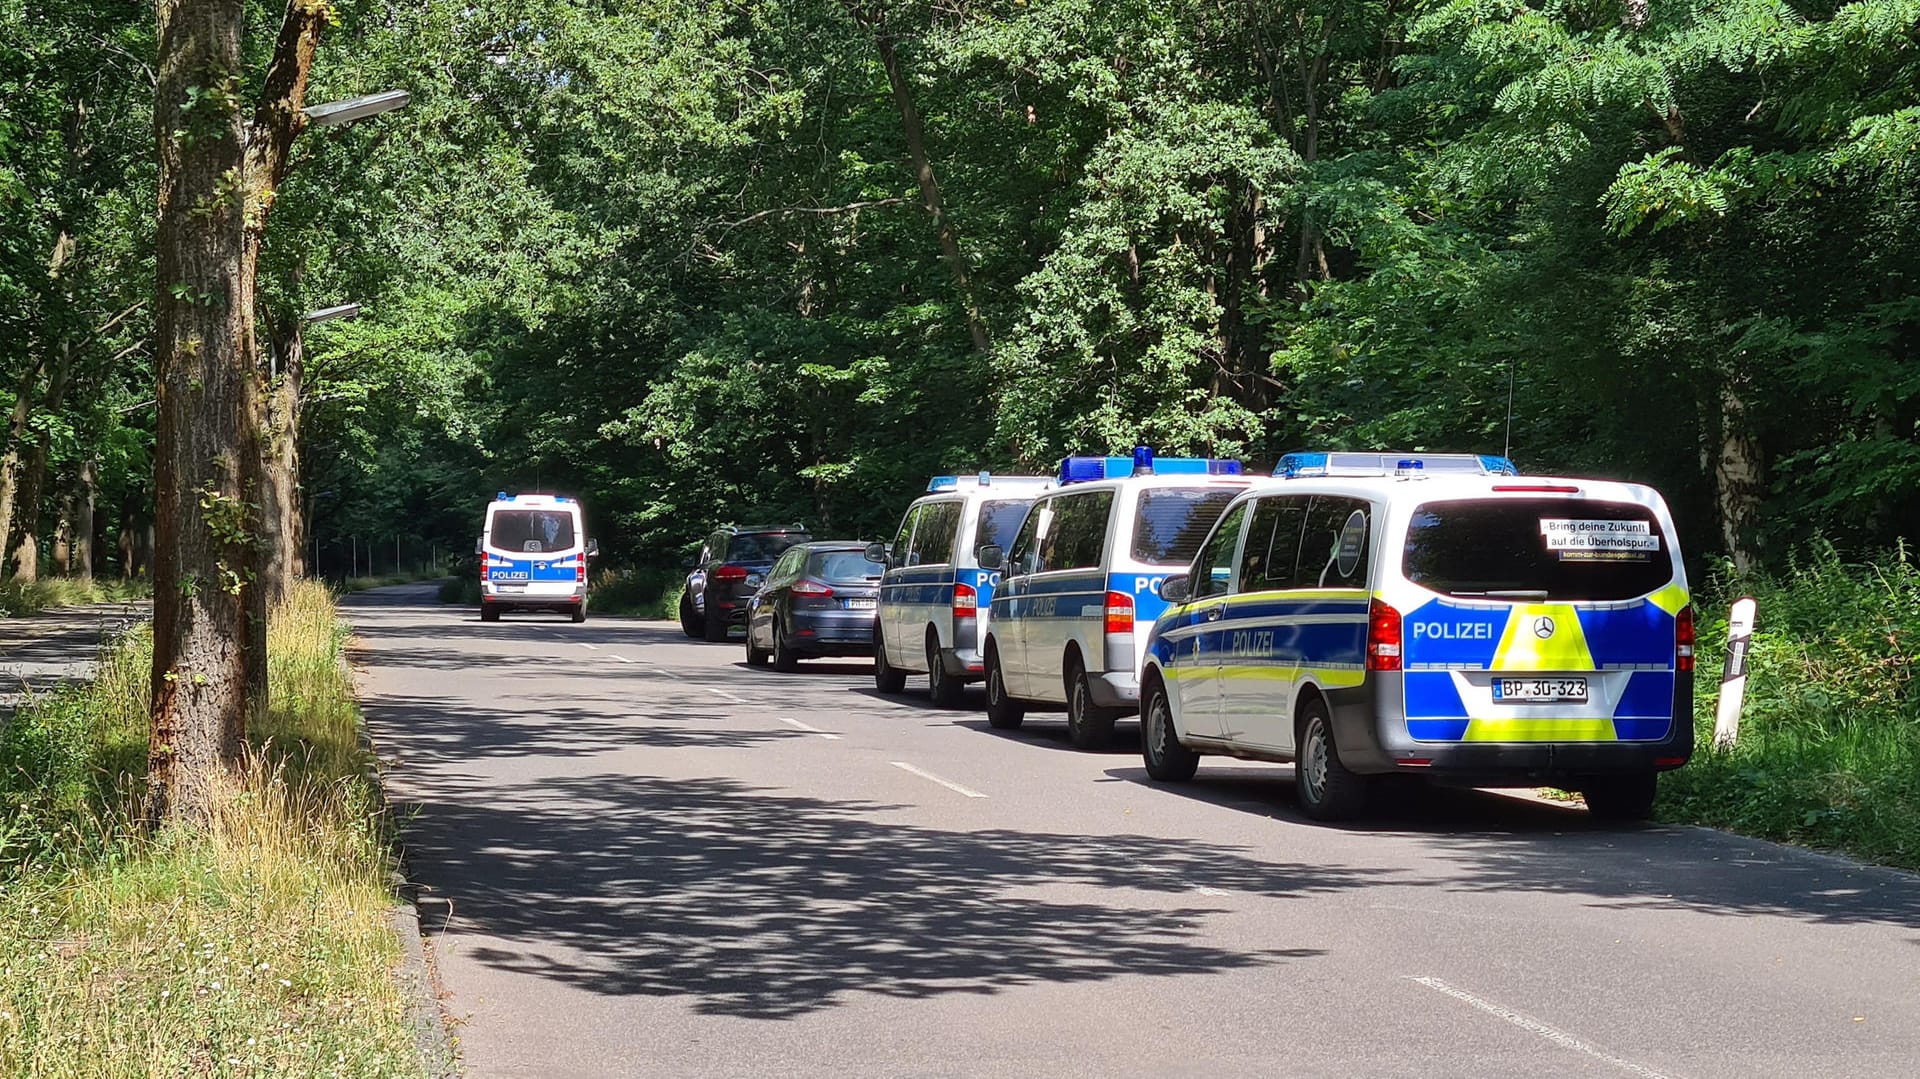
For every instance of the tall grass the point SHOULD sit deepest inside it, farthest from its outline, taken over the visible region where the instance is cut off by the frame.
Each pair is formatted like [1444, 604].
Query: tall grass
[261, 946]
[1829, 748]
[29, 597]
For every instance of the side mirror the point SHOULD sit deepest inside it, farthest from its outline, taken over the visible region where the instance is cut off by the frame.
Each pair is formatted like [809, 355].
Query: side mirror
[990, 556]
[593, 548]
[1175, 588]
[878, 552]
[691, 561]
[480, 545]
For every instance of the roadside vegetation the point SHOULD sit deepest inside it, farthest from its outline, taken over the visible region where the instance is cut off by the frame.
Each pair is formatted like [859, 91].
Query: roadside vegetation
[18, 597]
[1829, 748]
[637, 593]
[261, 947]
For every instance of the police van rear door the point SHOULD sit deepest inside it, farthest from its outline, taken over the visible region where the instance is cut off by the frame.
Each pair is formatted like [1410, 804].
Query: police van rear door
[1539, 616]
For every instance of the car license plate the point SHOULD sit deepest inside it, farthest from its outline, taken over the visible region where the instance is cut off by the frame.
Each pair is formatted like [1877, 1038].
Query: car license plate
[1573, 690]
[860, 605]
[511, 587]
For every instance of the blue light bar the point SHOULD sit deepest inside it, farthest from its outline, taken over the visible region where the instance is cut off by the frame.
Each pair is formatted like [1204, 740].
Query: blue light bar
[944, 483]
[1086, 469]
[1295, 465]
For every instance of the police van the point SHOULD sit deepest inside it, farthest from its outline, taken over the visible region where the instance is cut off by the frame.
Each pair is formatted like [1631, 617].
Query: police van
[1367, 615]
[533, 554]
[1082, 580]
[934, 594]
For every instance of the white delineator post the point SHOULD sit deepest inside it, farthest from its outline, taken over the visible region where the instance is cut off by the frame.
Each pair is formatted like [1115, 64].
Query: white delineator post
[1733, 679]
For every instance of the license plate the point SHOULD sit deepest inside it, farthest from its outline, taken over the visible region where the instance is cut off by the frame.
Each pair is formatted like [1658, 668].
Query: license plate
[511, 587]
[860, 605]
[1540, 689]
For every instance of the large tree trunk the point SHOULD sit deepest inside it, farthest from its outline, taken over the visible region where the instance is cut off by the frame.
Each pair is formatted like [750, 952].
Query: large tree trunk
[10, 460]
[280, 517]
[85, 496]
[1739, 472]
[26, 550]
[205, 447]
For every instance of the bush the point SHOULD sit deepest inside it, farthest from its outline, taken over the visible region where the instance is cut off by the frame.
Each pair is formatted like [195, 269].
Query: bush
[645, 593]
[1829, 747]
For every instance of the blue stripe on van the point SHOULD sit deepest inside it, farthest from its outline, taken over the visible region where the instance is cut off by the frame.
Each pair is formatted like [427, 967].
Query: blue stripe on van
[928, 585]
[1432, 695]
[1439, 633]
[1641, 635]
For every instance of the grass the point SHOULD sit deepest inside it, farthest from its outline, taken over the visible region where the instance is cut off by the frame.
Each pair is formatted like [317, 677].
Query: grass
[1829, 748]
[261, 947]
[30, 597]
[640, 593]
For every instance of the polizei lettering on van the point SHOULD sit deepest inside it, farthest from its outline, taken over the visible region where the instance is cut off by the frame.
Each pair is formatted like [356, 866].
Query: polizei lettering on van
[1453, 631]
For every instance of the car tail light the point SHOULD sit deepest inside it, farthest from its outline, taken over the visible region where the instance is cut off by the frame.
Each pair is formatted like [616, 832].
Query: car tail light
[730, 573]
[1383, 637]
[966, 601]
[580, 569]
[810, 588]
[1119, 612]
[1683, 639]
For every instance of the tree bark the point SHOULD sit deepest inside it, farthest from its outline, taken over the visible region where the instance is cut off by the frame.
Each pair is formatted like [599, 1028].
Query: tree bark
[1739, 472]
[205, 448]
[10, 460]
[26, 550]
[280, 516]
[85, 496]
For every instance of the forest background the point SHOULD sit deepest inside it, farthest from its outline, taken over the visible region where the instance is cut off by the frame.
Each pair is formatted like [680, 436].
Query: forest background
[699, 261]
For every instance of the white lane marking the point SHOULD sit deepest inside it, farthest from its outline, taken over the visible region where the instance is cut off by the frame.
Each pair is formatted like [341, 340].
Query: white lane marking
[584, 644]
[1536, 1027]
[619, 657]
[799, 726]
[1205, 890]
[724, 694]
[947, 783]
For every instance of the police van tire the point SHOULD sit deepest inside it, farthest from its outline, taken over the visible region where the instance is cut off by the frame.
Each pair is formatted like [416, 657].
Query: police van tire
[887, 678]
[1003, 712]
[943, 689]
[1621, 798]
[785, 659]
[580, 612]
[1327, 790]
[489, 613]
[689, 621]
[715, 628]
[1089, 726]
[1167, 760]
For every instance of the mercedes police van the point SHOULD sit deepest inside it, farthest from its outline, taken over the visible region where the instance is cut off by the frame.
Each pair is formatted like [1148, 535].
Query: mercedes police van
[1366, 615]
[1082, 580]
[934, 594]
[533, 554]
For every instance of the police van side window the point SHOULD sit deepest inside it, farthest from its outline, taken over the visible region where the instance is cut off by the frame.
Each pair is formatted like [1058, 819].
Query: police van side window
[1024, 556]
[1273, 545]
[1334, 550]
[933, 535]
[1213, 567]
[1078, 536]
[904, 538]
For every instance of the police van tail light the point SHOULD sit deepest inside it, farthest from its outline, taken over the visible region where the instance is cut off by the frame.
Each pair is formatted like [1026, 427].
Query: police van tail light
[966, 601]
[1683, 639]
[580, 570]
[1383, 637]
[1119, 612]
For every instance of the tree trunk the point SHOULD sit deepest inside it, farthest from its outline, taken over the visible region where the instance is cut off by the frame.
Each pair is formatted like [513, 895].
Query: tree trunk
[84, 519]
[205, 449]
[916, 138]
[26, 550]
[1740, 477]
[63, 538]
[281, 545]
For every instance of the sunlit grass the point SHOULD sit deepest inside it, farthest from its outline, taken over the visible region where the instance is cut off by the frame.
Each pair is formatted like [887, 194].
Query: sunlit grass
[259, 947]
[28, 597]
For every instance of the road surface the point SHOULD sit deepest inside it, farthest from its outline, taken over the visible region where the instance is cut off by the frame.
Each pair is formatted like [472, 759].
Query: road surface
[641, 857]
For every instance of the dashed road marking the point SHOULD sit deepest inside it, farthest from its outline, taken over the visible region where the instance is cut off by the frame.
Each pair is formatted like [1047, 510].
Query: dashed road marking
[947, 783]
[724, 694]
[591, 647]
[1536, 1027]
[620, 657]
[799, 726]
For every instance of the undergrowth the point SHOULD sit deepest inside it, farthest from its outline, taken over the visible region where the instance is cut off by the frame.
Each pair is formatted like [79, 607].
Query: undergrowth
[1829, 748]
[259, 947]
[29, 597]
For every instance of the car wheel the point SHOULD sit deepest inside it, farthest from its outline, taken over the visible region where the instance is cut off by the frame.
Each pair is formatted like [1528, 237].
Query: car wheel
[1167, 760]
[1327, 790]
[886, 677]
[756, 657]
[1089, 726]
[784, 657]
[1003, 712]
[489, 613]
[1621, 798]
[690, 619]
[580, 611]
[942, 688]
[716, 627]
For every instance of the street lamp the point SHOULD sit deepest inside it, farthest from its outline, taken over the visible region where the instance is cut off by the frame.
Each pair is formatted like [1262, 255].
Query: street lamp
[335, 113]
[328, 314]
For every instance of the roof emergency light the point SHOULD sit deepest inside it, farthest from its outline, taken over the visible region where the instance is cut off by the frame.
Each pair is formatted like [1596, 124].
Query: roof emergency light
[1296, 465]
[1143, 463]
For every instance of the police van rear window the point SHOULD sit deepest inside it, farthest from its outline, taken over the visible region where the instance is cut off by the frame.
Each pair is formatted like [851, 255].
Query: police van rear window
[532, 531]
[999, 520]
[1171, 524]
[1537, 549]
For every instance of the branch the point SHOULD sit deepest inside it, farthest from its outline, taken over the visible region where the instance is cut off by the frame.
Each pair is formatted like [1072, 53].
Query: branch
[278, 118]
[851, 207]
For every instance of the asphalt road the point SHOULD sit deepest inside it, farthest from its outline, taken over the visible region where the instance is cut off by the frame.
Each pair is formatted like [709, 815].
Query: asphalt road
[643, 858]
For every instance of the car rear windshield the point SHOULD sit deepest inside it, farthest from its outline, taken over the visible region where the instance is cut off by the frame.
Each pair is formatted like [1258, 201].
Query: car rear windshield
[1170, 524]
[839, 566]
[999, 521]
[762, 546]
[532, 531]
[1537, 549]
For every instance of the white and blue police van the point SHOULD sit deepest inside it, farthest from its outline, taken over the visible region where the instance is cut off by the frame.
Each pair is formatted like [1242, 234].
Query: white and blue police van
[1368, 615]
[1082, 577]
[533, 553]
[934, 594]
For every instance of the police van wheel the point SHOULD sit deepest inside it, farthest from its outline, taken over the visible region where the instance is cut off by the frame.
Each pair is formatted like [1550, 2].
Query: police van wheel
[689, 621]
[784, 657]
[716, 628]
[1326, 789]
[489, 613]
[1167, 760]
[942, 688]
[580, 613]
[1621, 798]
[886, 677]
[1003, 712]
[1089, 726]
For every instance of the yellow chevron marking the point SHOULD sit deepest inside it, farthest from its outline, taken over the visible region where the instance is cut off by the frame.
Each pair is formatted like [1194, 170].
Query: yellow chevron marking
[1670, 599]
[1533, 729]
[1522, 650]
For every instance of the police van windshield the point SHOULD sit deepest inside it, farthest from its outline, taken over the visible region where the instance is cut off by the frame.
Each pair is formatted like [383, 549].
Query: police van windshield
[837, 566]
[999, 521]
[1171, 524]
[1537, 549]
[533, 531]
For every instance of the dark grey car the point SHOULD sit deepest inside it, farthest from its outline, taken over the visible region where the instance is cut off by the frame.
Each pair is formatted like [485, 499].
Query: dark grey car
[818, 600]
